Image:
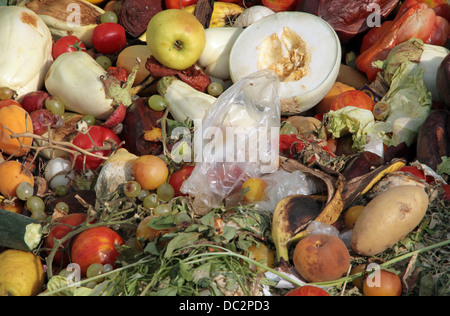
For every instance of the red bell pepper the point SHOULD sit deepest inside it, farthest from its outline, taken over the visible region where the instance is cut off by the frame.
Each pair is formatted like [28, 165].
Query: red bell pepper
[414, 19]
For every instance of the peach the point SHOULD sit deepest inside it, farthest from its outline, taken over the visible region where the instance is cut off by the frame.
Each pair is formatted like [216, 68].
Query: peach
[321, 257]
[356, 98]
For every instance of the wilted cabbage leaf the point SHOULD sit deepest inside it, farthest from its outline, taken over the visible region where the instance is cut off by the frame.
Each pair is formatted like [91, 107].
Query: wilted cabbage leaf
[409, 103]
[350, 119]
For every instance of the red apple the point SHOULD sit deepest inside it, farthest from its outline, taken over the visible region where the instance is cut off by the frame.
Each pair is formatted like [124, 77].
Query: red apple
[34, 100]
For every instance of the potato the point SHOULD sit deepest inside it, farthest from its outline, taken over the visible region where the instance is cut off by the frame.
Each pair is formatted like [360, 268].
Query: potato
[387, 218]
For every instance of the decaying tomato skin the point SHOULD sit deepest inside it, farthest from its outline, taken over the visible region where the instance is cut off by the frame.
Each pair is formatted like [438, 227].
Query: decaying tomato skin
[99, 135]
[139, 119]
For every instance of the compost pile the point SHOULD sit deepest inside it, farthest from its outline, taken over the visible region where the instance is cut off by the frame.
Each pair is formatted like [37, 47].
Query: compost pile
[224, 148]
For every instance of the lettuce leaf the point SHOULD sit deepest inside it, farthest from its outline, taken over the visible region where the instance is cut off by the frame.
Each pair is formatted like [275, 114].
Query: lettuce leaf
[409, 104]
[444, 166]
[350, 119]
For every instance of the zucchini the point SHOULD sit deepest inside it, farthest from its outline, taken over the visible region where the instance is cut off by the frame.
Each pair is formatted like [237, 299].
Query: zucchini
[18, 231]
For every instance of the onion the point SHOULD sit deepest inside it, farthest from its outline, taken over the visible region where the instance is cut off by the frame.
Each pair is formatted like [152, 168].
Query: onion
[215, 56]
[274, 41]
[56, 166]
[251, 15]
[57, 172]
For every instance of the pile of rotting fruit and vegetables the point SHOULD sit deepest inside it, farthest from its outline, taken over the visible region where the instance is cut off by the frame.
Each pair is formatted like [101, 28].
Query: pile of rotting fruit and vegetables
[224, 148]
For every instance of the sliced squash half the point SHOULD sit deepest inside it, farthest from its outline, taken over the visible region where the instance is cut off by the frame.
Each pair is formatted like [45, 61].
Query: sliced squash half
[301, 48]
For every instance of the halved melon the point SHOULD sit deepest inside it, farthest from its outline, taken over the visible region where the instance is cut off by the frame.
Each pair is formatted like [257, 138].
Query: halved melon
[301, 48]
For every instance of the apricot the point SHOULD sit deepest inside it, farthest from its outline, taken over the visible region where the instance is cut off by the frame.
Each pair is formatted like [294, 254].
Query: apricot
[150, 171]
[321, 257]
[324, 105]
[12, 174]
[355, 98]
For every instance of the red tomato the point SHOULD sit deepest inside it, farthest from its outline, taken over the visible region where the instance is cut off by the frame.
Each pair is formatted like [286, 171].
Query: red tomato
[99, 135]
[67, 44]
[178, 4]
[281, 5]
[177, 178]
[60, 230]
[307, 290]
[95, 245]
[109, 38]
[8, 102]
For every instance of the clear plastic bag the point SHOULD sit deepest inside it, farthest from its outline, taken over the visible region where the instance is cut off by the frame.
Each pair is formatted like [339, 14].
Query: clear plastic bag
[283, 183]
[238, 138]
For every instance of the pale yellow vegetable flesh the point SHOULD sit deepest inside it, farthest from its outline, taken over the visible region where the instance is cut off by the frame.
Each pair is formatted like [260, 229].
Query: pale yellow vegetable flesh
[127, 59]
[25, 50]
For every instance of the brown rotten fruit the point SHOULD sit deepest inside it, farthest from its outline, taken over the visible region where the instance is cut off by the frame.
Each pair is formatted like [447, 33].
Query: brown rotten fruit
[321, 257]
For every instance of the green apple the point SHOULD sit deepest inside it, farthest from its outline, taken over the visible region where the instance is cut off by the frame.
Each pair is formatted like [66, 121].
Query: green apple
[175, 38]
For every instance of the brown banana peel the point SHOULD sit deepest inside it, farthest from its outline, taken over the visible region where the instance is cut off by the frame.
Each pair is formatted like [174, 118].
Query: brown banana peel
[294, 213]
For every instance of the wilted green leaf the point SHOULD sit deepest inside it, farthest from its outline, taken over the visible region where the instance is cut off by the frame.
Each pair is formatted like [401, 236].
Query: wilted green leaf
[161, 222]
[229, 232]
[186, 272]
[426, 285]
[180, 241]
